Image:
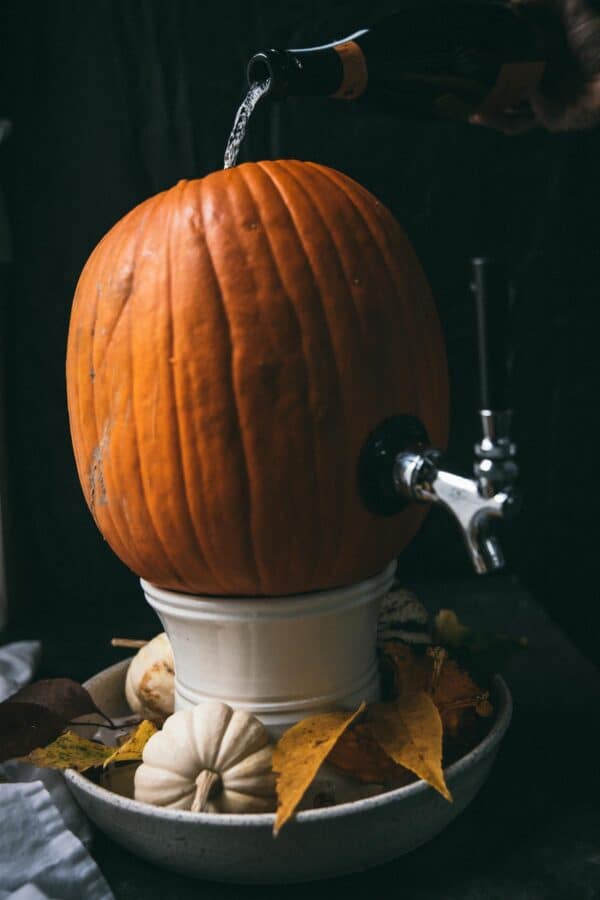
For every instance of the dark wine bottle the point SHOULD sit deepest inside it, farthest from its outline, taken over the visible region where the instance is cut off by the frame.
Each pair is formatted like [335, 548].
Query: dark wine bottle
[428, 59]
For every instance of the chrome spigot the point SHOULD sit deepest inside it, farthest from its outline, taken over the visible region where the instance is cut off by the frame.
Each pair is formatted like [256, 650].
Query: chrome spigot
[472, 501]
[398, 465]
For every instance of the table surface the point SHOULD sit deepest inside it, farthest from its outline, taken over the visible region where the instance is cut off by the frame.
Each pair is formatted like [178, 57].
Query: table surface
[533, 831]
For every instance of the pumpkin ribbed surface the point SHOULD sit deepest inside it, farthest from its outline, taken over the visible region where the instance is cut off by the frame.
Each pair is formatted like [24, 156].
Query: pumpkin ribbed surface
[233, 342]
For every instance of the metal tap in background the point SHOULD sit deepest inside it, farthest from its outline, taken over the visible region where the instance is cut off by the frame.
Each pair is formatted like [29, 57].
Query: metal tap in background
[398, 466]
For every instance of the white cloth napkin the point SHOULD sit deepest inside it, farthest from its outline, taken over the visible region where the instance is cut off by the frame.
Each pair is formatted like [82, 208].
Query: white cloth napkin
[17, 665]
[44, 834]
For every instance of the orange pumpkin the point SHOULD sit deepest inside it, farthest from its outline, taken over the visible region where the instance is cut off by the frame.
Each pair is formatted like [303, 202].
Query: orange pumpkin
[233, 343]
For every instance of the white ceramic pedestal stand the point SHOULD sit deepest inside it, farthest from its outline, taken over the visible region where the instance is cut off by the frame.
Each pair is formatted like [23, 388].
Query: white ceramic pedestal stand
[281, 658]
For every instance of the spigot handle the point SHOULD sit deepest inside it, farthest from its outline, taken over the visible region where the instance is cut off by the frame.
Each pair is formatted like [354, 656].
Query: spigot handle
[493, 299]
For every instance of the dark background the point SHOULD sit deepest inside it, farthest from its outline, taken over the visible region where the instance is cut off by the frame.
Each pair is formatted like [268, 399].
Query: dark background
[114, 100]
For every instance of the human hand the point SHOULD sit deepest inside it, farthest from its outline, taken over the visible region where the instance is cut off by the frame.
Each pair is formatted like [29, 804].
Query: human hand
[568, 97]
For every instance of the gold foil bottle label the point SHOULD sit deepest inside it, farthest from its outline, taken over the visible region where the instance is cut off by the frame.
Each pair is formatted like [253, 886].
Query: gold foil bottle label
[355, 77]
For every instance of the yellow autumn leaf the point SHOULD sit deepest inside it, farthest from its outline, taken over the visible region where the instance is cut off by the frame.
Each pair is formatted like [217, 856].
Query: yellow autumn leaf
[133, 747]
[299, 754]
[410, 732]
[69, 751]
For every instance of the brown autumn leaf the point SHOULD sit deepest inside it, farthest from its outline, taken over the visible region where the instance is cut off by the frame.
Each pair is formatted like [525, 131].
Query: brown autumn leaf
[63, 696]
[484, 708]
[25, 726]
[299, 754]
[131, 750]
[462, 703]
[450, 686]
[456, 696]
[70, 751]
[358, 754]
[409, 670]
[410, 732]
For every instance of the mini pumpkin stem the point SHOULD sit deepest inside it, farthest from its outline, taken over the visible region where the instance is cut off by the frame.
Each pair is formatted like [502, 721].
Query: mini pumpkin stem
[207, 785]
[128, 642]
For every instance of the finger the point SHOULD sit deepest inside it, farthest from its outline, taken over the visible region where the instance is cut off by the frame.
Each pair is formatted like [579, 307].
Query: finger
[507, 123]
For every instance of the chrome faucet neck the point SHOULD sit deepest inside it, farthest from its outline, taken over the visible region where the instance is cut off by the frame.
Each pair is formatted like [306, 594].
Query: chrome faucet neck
[417, 477]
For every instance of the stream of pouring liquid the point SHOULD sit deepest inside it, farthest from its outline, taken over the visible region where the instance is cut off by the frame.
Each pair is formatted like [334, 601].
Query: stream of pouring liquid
[240, 123]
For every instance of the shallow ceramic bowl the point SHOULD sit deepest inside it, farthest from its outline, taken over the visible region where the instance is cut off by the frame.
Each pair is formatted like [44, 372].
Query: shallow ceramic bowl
[318, 843]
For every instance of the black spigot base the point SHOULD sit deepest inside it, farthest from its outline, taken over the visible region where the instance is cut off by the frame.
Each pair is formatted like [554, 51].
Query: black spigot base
[375, 474]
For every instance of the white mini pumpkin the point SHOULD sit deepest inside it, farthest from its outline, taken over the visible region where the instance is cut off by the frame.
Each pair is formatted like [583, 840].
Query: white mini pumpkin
[208, 758]
[150, 681]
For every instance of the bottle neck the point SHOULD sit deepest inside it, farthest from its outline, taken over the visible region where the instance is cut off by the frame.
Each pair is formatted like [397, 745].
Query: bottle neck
[336, 70]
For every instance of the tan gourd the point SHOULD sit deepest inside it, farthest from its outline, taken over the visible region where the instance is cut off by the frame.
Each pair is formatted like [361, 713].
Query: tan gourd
[208, 758]
[150, 681]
